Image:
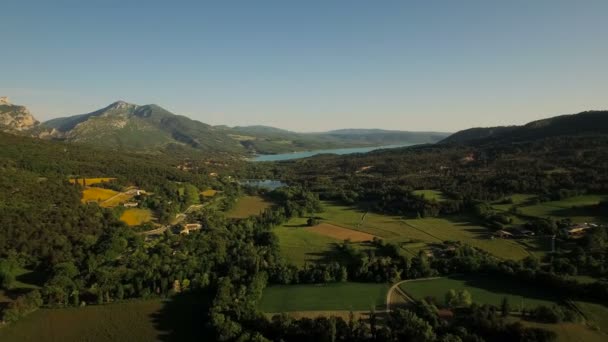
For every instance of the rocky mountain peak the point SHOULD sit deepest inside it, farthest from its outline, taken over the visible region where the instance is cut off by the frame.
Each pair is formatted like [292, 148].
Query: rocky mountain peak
[121, 105]
[14, 117]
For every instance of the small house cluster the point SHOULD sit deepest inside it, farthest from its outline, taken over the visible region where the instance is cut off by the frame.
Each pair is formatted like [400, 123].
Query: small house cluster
[578, 230]
[190, 227]
[513, 233]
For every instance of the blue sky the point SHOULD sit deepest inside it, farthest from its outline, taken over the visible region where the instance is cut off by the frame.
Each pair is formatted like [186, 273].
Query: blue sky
[311, 65]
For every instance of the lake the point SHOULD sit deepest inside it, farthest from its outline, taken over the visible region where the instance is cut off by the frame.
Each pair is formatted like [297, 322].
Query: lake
[306, 154]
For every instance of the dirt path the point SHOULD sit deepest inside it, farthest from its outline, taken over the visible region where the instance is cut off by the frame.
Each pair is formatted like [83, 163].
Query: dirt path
[395, 288]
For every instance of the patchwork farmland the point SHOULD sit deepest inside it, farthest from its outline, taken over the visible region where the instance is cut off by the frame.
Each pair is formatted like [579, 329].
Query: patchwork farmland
[301, 244]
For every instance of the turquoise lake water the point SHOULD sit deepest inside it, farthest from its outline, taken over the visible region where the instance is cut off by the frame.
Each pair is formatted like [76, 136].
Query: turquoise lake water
[305, 154]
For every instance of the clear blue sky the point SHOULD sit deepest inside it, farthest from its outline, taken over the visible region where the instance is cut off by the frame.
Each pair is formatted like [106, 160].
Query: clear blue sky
[310, 65]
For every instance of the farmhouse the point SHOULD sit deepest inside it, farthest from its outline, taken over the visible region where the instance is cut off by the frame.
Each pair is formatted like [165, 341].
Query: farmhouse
[577, 230]
[190, 227]
[503, 234]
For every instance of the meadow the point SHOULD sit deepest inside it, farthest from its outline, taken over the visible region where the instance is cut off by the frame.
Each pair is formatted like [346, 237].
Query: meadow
[430, 195]
[180, 319]
[300, 244]
[135, 216]
[247, 206]
[570, 332]
[484, 290]
[596, 314]
[129, 321]
[576, 208]
[322, 297]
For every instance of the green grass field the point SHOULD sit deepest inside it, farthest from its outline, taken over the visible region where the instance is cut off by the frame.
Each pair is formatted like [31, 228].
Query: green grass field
[596, 314]
[247, 206]
[180, 319]
[300, 246]
[484, 290]
[570, 332]
[335, 296]
[575, 208]
[431, 195]
[130, 321]
[412, 235]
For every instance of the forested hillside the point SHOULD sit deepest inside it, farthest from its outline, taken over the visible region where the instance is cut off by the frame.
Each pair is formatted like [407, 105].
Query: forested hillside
[585, 123]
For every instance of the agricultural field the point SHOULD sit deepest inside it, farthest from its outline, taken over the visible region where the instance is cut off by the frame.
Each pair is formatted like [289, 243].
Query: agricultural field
[105, 197]
[575, 208]
[135, 216]
[181, 319]
[90, 181]
[339, 233]
[129, 321]
[300, 244]
[247, 206]
[97, 194]
[484, 290]
[459, 229]
[322, 297]
[570, 332]
[208, 193]
[596, 314]
[430, 195]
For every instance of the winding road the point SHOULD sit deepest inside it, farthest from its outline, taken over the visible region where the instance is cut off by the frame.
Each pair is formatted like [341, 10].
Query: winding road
[396, 288]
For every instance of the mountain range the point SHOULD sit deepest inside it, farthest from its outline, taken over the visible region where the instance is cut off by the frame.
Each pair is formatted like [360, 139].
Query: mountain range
[585, 123]
[150, 127]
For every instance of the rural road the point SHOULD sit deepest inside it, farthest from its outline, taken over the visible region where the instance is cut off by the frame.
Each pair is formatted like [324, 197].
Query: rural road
[179, 218]
[395, 287]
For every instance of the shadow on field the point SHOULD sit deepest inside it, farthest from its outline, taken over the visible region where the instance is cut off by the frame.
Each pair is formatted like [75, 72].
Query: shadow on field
[498, 284]
[184, 318]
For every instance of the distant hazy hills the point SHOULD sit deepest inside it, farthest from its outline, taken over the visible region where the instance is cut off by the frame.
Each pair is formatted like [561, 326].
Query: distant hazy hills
[151, 128]
[585, 123]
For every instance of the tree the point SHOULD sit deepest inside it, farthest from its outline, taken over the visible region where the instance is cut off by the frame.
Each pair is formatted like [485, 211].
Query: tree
[505, 308]
[459, 298]
[406, 326]
[312, 221]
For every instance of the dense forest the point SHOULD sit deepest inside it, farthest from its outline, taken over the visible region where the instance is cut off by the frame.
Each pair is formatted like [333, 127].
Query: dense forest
[84, 255]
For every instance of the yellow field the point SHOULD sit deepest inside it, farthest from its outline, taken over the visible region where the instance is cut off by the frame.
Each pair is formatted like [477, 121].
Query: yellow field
[135, 217]
[97, 194]
[209, 193]
[90, 181]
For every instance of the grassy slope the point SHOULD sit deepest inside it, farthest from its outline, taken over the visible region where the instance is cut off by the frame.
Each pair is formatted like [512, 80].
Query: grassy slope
[336, 296]
[483, 290]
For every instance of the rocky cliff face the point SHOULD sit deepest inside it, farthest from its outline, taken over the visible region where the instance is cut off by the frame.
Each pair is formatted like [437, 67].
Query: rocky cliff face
[15, 118]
